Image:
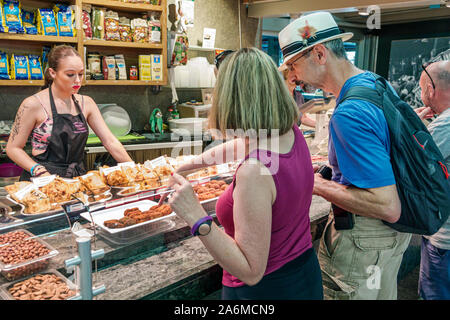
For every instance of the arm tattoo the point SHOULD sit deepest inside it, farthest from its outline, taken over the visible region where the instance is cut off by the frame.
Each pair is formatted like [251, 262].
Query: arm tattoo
[16, 128]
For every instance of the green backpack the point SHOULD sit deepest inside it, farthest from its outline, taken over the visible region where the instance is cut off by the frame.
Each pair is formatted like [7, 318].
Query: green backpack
[421, 176]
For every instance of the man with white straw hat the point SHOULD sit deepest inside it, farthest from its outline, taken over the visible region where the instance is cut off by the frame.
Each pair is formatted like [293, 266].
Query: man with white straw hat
[359, 255]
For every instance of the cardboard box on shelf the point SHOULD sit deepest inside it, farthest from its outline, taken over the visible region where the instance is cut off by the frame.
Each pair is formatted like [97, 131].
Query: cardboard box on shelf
[145, 67]
[157, 68]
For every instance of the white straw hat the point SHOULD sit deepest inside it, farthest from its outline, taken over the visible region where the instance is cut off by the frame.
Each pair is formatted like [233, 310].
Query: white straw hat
[307, 31]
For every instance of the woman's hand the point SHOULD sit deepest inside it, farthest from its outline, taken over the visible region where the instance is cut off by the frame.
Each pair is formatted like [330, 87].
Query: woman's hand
[40, 171]
[184, 201]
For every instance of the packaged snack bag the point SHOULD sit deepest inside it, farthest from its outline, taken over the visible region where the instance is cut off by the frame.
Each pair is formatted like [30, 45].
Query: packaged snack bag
[154, 29]
[19, 67]
[47, 22]
[120, 62]
[140, 30]
[35, 67]
[4, 66]
[112, 26]
[45, 51]
[86, 21]
[64, 19]
[13, 19]
[3, 27]
[98, 23]
[29, 22]
[125, 29]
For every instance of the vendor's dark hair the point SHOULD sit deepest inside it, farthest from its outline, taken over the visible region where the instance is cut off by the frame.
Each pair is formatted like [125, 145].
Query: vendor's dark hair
[55, 55]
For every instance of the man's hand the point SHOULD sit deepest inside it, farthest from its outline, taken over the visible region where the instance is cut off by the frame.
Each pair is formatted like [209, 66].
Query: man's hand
[424, 112]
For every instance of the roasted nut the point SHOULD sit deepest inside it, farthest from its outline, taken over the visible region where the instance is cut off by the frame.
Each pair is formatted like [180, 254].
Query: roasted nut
[41, 287]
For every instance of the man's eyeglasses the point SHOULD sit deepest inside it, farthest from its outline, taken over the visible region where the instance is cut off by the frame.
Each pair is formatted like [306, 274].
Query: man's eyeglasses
[424, 67]
[290, 65]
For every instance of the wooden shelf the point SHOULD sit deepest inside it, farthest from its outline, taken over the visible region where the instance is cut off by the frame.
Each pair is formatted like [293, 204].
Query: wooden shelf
[37, 38]
[197, 48]
[23, 43]
[124, 83]
[21, 82]
[124, 6]
[104, 43]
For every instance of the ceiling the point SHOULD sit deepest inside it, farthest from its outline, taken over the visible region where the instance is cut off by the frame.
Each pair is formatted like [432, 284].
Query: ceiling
[392, 11]
[398, 15]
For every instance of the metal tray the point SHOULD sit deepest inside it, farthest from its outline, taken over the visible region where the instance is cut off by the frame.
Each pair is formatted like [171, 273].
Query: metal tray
[108, 195]
[101, 216]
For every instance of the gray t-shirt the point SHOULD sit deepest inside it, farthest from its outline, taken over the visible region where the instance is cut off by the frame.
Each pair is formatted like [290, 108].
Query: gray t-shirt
[440, 131]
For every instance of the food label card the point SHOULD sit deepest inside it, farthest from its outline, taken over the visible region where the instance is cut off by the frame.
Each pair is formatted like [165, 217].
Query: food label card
[23, 192]
[42, 181]
[107, 171]
[127, 164]
[223, 168]
[160, 161]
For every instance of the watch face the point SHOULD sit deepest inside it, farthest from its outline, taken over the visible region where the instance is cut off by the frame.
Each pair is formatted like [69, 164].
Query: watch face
[204, 229]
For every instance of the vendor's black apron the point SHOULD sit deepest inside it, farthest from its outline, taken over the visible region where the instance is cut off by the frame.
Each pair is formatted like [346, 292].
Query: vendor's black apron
[65, 151]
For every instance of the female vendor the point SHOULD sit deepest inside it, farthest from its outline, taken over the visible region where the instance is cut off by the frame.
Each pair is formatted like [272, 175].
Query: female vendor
[57, 119]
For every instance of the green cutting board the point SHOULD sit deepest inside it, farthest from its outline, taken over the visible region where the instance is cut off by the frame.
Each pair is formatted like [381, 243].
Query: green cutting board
[94, 140]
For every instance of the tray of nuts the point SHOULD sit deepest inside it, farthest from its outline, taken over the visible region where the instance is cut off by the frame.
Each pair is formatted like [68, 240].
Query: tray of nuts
[22, 254]
[48, 285]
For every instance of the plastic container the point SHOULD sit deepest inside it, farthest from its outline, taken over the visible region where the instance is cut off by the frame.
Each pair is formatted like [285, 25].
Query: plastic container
[131, 233]
[117, 119]
[19, 270]
[10, 170]
[188, 126]
[6, 295]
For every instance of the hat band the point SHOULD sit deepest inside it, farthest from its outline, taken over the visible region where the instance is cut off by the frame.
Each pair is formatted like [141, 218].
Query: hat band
[297, 46]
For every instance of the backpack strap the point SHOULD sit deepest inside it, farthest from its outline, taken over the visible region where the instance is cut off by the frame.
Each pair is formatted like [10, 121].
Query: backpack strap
[371, 95]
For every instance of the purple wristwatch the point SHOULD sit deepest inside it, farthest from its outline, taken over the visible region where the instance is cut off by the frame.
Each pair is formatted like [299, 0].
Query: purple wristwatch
[202, 221]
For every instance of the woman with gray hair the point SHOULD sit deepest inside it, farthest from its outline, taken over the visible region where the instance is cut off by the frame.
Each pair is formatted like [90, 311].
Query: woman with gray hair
[265, 247]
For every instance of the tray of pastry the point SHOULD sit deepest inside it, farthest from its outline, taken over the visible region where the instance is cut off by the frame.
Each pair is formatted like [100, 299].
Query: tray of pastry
[45, 195]
[209, 192]
[124, 220]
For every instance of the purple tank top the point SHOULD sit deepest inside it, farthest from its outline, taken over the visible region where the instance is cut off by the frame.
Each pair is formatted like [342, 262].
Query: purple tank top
[293, 175]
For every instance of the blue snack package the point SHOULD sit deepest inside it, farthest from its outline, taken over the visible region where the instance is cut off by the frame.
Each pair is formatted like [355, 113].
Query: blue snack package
[19, 67]
[29, 22]
[44, 60]
[46, 22]
[13, 20]
[3, 27]
[35, 67]
[64, 19]
[4, 66]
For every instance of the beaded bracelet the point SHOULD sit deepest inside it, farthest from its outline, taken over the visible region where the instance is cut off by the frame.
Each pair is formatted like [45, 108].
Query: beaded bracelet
[32, 169]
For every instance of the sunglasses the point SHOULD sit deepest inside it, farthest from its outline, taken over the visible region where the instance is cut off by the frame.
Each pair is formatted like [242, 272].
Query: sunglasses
[424, 67]
[290, 66]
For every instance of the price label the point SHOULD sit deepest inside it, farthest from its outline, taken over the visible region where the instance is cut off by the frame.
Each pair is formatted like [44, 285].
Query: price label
[127, 164]
[106, 171]
[223, 168]
[158, 162]
[23, 192]
[42, 181]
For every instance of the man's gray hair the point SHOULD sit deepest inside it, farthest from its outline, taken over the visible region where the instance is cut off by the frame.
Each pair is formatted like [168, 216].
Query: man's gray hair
[336, 46]
[444, 76]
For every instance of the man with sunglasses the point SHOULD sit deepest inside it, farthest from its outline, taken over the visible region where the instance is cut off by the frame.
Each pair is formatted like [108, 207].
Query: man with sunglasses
[434, 277]
[359, 255]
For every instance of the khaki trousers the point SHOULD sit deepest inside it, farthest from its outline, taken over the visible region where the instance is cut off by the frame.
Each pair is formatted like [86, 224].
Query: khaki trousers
[361, 263]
